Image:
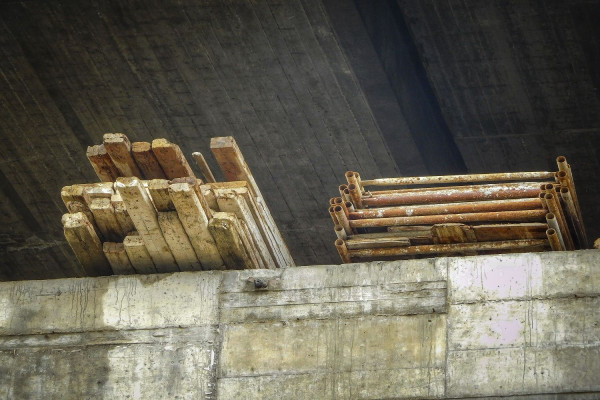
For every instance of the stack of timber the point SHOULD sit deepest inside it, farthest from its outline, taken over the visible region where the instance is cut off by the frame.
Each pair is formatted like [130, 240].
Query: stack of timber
[457, 215]
[151, 214]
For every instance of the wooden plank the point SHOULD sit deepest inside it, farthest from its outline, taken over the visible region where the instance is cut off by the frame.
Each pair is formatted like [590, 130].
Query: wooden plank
[227, 233]
[123, 217]
[195, 184]
[233, 201]
[102, 163]
[77, 206]
[233, 165]
[251, 248]
[178, 241]
[146, 160]
[452, 233]
[118, 148]
[104, 190]
[209, 196]
[159, 192]
[85, 244]
[195, 222]
[106, 220]
[117, 258]
[138, 254]
[277, 247]
[141, 210]
[204, 168]
[171, 159]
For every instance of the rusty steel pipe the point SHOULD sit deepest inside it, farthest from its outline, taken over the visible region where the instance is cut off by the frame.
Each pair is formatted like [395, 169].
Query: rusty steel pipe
[450, 248]
[340, 245]
[449, 208]
[337, 201]
[346, 195]
[340, 232]
[553, 223]
[341, 189]
[572, 211]
[356, 195]
[431, 180]
[332, 201]
[553, 239]
[555, 208]
[350, 206]
[446, 188]
[351, 178]
[542, 198]
[342, 220]
[465, 193]
[333, 217]
[500, 216]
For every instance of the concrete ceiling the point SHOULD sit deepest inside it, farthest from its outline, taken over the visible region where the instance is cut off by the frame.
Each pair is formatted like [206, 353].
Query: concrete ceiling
[309, 88]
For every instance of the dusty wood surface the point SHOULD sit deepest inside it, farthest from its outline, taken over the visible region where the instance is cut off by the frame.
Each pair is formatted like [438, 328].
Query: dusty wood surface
[85, 244]
[121, 214]
[159, 192]
[102, 163]
[146, 160]
[171, 159]
[226, 230]
[138, 254]
[106, 220]
[117, 258]
[178, 241]
[142, 213]
[195, 222]
[204, 168]
[118, 148]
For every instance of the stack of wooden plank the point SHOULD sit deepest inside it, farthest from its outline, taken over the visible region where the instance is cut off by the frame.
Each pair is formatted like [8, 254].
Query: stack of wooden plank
[151, 214]
[457, 215]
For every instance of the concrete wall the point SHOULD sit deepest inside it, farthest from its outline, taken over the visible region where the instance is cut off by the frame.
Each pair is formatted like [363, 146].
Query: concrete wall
[521, 325]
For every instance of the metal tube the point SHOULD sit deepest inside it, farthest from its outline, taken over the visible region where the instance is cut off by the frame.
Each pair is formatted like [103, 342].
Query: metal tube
[342, 220]
[333, 217]
[501, 216]
[554, 208]
[346, 195]
[337, 201]
[553, 223]
[450, 208]
[340, 232]
[572, 211]
[355, 195]
[351, 178]
[340, 245]
[542, 198]
[451, 248]
[553, 239]
[350, 206]
[332, 201]
[429, 180]
[465, 193]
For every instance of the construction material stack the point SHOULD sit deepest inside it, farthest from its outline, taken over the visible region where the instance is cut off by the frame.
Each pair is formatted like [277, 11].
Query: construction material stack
[457, 215]
[151, 214]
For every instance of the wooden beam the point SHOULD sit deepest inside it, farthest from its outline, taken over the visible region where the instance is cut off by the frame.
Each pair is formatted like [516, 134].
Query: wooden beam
[178, 241]
[138, 254]
[209, 196]
[227, 232]
[85, 244]
[106, 220]
[104, 190]
[117, 258]
[119, 149]
[171, 159]
[233, 201]
[101, 162]
[142, 213]
[123, 217]
[159, 192]
[195, 222]
[146, 160]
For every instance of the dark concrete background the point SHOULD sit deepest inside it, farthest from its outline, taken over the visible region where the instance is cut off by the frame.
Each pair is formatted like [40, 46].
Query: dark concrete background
[309, 88]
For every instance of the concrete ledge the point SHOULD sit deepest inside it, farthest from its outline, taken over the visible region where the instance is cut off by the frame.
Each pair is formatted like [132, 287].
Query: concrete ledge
[523, 325]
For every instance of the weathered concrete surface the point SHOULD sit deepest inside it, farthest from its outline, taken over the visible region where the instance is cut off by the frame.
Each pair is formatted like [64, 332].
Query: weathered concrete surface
[524, 325]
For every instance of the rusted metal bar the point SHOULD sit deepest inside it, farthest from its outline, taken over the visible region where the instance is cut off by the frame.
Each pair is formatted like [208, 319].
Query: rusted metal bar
[343, 189]
[340, 232]
[465, 193]
[449, 208]
[493, 232]
[340, 245]
[524, 244]
[542, 198]
[351, 178]
[553, 239]
[565, 193]
[357, 242]
[553, 224]
[356, 195]
[350, 206]
[555, 208]
[342, 219]
[346, 195]
[332, 201]
[500, 216]
[359, 184]
[430, 180]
